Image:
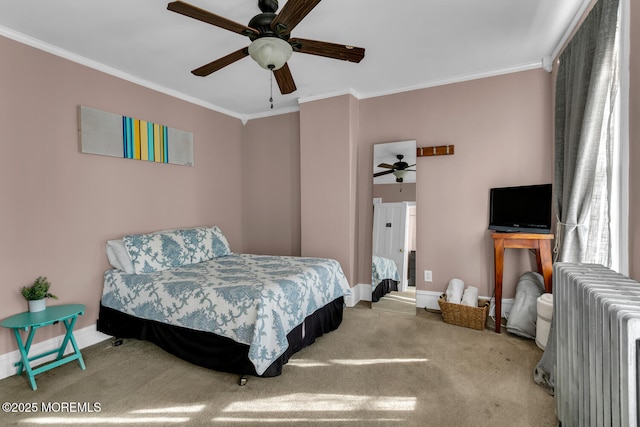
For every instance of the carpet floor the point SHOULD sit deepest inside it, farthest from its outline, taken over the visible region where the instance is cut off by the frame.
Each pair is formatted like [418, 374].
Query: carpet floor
[398, 302]
[378, 369]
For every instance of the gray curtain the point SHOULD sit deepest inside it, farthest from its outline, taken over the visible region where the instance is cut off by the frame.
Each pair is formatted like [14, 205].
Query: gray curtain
[586, 89]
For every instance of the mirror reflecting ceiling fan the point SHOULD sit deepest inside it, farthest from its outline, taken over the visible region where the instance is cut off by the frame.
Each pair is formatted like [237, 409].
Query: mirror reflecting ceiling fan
[271, 43]
[398, 169]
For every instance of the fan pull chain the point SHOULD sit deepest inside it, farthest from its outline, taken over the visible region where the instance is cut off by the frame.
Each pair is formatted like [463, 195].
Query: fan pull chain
[271, 89]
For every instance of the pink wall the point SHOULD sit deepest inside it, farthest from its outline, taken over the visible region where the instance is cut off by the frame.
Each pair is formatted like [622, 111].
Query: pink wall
[501, 129]
[634, 142]
[271, 169]
[328, 132]
[59, 206]
[391, 192]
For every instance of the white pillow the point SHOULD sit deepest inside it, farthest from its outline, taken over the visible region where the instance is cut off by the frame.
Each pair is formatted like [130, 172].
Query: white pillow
[118, 256]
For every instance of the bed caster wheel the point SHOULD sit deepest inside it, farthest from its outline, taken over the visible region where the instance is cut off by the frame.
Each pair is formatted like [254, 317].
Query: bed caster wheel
[116, 342]
[242, 381]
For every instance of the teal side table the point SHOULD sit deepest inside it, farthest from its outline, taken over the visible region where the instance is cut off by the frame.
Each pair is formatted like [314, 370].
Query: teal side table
[27, 321]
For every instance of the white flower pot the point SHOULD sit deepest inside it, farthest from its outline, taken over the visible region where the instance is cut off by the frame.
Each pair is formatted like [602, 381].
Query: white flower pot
[37, 305]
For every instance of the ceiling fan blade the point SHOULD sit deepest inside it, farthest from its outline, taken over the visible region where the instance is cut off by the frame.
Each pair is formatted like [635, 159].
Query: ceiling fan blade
[202, 15]
[382, 173]
[386, 165]
[209, 68]
[329, 50]
[291, 14]
[285, 79]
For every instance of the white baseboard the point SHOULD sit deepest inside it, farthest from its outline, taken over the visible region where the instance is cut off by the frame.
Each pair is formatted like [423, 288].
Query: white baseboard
[424, 299]
[84, 337]
[360, 292]
[507, 305]
[429, 299]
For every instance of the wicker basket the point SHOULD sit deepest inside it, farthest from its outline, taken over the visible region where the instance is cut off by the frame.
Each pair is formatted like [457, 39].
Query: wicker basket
[463, 315]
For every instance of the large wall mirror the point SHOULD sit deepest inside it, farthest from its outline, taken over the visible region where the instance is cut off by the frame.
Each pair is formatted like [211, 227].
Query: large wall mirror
[393, 276]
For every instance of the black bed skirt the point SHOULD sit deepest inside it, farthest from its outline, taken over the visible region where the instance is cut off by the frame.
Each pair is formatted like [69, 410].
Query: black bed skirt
[214, 351]
[383, 288]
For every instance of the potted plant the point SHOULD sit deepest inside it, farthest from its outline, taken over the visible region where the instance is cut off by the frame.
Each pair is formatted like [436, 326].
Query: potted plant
[37, 294]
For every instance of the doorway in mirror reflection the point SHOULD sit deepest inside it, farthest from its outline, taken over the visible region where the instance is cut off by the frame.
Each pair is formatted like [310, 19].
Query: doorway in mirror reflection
[393, 276]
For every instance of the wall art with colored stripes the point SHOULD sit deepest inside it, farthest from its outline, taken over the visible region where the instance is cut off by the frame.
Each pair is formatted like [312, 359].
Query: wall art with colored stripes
[115, 135]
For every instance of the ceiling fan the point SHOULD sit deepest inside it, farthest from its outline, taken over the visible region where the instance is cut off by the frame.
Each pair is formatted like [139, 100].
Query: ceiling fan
[271, 45]
[399, 169]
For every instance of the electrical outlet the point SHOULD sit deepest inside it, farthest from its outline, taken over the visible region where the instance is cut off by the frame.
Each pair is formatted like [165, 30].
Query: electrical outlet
[428, 276]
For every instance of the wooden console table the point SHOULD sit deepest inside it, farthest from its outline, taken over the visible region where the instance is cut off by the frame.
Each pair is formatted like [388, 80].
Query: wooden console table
[542, 245]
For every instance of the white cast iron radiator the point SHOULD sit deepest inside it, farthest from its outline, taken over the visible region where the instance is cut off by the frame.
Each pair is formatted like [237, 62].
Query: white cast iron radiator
[597, 324]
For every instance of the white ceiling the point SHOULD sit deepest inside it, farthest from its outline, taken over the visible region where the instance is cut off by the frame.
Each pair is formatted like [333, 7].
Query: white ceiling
[409, 44]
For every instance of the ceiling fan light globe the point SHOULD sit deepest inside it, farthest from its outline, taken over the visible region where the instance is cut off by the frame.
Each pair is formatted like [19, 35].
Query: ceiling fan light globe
[270, 53]
[399, 174]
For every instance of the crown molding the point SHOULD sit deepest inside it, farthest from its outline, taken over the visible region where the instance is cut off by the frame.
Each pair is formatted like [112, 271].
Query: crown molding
[456, 79]
[54, 50]
[244, 118]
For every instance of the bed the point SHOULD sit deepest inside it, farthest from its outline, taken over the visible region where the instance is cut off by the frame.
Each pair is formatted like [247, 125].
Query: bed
[189, 294]
[384, 277]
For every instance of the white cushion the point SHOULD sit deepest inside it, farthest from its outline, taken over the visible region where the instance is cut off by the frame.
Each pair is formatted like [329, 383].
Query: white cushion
[118, 256]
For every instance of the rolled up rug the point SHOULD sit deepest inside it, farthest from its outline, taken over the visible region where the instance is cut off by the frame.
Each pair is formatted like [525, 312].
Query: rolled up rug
[470, 296]
[454, 291]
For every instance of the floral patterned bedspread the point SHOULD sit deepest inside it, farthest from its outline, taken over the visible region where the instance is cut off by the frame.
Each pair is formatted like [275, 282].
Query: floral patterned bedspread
[383, 268]
[253, 299]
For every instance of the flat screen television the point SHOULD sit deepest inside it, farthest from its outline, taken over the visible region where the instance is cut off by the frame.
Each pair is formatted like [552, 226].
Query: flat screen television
[525, 209]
